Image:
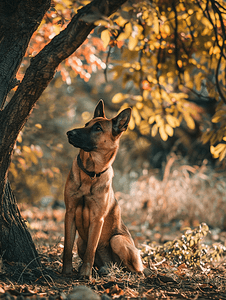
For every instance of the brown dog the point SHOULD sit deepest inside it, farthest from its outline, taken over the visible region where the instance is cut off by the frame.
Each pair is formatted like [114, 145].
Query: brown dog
[91, 208]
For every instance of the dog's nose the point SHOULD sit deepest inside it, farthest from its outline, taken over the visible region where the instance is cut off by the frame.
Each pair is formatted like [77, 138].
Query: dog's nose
[70, 133]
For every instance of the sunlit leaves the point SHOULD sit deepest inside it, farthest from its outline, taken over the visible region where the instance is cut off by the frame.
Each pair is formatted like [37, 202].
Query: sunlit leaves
[170, 52]
[24, 158]
[216, 136]
[187, 249]
[84, 62]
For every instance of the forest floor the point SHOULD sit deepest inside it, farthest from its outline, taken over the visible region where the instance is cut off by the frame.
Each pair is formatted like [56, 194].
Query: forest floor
[166, 279]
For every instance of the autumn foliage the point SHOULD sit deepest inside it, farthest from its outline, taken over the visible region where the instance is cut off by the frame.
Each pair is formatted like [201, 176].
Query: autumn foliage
[171, 53]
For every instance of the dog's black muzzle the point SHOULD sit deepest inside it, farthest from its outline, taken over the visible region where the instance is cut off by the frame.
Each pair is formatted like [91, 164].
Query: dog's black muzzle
[79, 138]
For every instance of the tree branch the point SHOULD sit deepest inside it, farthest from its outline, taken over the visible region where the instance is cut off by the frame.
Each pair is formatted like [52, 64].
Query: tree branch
[43, 65]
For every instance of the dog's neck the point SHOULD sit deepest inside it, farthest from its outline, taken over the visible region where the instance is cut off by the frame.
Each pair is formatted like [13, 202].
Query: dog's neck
[91, 174]
[97, 162]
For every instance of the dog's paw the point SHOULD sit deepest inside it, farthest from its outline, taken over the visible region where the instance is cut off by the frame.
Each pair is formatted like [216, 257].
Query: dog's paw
[85, 273]
[84, 278]
[103, 271]
[69, 273]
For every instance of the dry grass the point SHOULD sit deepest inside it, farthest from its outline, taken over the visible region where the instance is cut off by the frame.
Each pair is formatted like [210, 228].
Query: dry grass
[194, 193]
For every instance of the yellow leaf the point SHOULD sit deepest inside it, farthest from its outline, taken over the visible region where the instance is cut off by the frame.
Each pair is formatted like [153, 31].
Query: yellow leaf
[180, 63]
[139, 105]
[169, 130]
[213, 139]
[151, 120]
[119, 97]
[156, 24]
[105, 36]
[218, 116]
[136, 115]
[34, 158]
[19, 138]
[159, 120]
[167, 28]
[162, 133]
[38, 151]
[218, 151]
[59, 6]
[154, 130]
[138, 98]
[219, 148]
[189, 120]
[144, 128]
[127, 32]
[133, 41]
[212, 149]
[39, 126]
[222, 154]
[56, 170]
[13, 170]
[216, 119]
[131, 123]
[56, 29]
[27, 149]
[172, 121]
[145, 94]
[198, 80]
[101, 22]
[206, 137]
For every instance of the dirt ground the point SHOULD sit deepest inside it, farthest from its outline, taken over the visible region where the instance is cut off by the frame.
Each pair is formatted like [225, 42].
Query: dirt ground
[165, 280]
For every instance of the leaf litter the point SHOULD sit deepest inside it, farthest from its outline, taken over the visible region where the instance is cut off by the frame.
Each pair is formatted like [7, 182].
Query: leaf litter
[183, 259]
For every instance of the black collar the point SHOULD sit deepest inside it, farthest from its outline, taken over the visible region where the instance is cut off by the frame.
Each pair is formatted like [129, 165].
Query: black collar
[92, 175]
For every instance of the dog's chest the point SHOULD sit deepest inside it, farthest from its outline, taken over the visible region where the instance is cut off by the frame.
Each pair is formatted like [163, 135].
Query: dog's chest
[89, 188]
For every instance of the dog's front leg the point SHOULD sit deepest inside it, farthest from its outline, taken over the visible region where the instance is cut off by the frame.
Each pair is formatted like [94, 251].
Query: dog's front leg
[95, 230]
[69, 238]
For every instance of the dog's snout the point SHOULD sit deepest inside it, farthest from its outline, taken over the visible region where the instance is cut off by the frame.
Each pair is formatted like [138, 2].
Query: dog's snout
[70, 133]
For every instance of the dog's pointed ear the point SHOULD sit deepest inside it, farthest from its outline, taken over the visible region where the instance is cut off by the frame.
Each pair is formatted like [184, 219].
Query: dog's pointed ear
[121, 121]
[99, 110]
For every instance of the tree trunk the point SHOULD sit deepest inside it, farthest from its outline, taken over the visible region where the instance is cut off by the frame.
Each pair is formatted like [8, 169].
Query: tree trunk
[15, 234]
[18, 20]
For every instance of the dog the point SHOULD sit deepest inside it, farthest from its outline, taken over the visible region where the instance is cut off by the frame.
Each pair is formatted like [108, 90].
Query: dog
[91, 208]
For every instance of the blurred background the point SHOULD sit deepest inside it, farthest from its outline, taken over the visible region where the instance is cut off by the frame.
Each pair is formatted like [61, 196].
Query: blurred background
[161, 59]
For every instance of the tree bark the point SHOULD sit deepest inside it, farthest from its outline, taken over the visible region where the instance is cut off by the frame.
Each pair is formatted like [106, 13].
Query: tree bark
[38, 75]
[18, 21]
[18, 245]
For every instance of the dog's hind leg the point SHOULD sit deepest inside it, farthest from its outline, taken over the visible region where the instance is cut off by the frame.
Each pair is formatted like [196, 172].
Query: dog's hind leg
[103, 259]
[125, 249]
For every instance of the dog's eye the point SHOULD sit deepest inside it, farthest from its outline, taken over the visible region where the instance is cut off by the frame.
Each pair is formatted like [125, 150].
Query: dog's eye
[98, 128]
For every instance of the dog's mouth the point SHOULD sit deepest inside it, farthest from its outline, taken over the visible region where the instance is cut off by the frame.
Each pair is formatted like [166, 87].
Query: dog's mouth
[78, 142]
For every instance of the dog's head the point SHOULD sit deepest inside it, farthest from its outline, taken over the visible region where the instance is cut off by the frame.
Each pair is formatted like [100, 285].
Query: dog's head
[100, 133]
